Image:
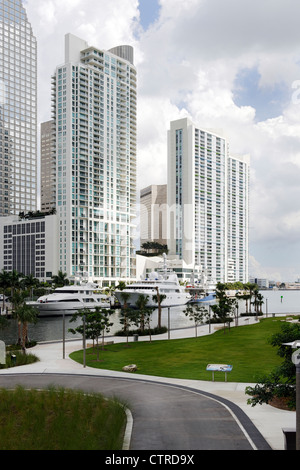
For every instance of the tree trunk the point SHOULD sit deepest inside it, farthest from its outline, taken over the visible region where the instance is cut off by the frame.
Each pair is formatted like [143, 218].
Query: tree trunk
[24, 336]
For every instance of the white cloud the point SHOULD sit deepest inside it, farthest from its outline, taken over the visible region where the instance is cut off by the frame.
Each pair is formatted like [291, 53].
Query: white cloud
[187, 64]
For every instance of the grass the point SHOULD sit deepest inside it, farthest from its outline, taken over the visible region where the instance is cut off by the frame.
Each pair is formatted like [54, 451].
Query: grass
[20, 359]
[244, 347]
[59, 419]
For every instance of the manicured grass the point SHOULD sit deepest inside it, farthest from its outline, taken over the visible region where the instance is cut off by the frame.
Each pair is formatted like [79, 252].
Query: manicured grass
[244, 347]
[19, 360]
[58, 419]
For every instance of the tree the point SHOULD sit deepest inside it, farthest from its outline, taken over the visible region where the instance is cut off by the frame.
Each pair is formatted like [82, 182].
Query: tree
[144, 312]
[243, 295]
[60, 279]
[121, 285]
[224, 306]
[197, 314]
[25, 314]
[18, 300]
[14, 280]
[3, 322]
[153, 248]
[97, 323]
[29, 282]
[159, 298]
[4, 284]
[125, 313]
[252, 289]
[259, 301]
[282, 381]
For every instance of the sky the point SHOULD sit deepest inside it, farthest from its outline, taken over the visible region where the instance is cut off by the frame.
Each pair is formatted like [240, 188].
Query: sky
[231, 65]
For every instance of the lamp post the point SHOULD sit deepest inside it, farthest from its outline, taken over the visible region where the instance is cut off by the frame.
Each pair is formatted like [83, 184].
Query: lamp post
[296, 361]
[64, 338]
[84, 342]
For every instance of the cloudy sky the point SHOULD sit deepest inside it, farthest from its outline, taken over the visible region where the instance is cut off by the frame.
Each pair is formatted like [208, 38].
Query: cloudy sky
[230, 64]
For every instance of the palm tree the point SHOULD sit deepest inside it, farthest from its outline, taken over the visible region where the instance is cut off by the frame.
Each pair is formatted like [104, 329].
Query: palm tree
[4, 284]
[18, 300]
[141, 305]
[25, 314]
[252, 288]
[14, 280]
[30, 282]
[158, 298]
[125, 320]
[14, 284]
[60, 279]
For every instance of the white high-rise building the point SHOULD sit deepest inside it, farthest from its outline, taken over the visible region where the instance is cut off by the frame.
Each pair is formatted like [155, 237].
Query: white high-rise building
[238, 218]
[153, 214]
[48, 168]
[18, 110]
[207, 202]
[94, 113]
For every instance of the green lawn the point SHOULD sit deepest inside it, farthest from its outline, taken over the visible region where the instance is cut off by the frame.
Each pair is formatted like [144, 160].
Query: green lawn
[59, 419]
[245, 347]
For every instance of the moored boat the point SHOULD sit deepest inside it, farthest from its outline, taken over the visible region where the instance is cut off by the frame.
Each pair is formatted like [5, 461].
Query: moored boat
[69, 299]
[161, 282]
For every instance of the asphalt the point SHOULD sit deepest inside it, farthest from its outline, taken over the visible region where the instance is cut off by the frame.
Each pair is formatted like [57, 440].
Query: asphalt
[267, 420]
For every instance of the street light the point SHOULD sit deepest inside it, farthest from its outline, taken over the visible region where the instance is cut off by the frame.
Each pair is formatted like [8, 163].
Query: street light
[84, 342]
[296, 361]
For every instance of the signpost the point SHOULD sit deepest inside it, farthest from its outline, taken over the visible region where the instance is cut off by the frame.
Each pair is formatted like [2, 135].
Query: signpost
[219, 368]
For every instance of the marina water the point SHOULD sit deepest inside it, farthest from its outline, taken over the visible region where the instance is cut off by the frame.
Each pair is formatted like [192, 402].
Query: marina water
[51, 328]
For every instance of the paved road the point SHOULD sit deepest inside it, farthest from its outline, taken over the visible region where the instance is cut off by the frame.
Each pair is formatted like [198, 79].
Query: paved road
[166, 417]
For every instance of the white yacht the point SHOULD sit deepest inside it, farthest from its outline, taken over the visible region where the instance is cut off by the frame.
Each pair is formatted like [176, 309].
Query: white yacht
[164, 282]
[69, 299]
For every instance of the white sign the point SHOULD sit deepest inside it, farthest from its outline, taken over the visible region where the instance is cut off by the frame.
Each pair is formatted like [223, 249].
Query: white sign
[2, 353]
[219, 367]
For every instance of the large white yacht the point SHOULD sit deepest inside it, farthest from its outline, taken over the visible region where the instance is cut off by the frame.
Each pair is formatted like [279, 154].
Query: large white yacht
[163, 281]
[69, 299]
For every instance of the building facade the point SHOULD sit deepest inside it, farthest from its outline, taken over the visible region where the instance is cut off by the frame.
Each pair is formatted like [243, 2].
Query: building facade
[207, 202]
[153, 214]
[18, 110]
[48, 168]
[29, 246]
[238, 218]
[94, 112]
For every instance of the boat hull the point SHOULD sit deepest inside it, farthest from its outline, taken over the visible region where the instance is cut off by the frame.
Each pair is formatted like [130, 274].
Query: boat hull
[170, 301]
[49, 309]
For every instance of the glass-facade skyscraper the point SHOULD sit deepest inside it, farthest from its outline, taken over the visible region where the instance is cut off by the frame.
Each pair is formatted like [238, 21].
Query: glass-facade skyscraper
[18, 110]
[94, 114]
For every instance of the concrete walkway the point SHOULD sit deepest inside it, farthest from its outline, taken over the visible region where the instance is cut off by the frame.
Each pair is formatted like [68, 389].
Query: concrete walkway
[268, 420]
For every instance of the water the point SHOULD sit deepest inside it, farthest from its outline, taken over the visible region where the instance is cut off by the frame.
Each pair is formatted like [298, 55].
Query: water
[51, 329]
[281, 301]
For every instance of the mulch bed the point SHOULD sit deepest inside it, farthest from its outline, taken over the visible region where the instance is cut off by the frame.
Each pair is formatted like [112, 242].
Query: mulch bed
[281, 403]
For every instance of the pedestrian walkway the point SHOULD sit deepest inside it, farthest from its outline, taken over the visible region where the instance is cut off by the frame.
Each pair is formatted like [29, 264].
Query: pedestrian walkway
[54, 358]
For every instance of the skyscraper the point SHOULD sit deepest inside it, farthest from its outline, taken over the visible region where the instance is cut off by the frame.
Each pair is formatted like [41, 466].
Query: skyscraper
[18, 110]
[153, 211]
[48, 168]
[207, 202]
[94, 114]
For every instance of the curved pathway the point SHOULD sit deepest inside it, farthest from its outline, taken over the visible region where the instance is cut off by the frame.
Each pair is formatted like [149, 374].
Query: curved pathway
[165, 416]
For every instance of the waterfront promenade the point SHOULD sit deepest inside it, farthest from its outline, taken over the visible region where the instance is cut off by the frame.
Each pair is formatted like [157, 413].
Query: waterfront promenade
[54, 359]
